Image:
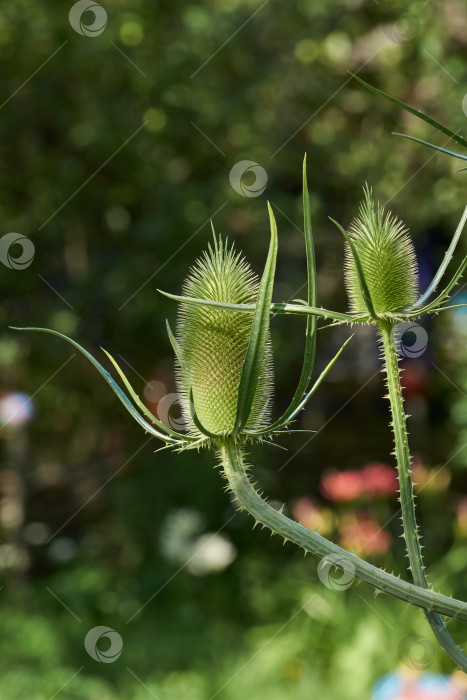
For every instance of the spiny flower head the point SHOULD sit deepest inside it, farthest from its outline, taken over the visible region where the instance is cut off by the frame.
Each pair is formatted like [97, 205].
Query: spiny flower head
[213, 343]
[387, 257]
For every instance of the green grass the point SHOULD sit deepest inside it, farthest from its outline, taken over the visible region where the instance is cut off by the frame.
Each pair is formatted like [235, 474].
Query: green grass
[284, 636]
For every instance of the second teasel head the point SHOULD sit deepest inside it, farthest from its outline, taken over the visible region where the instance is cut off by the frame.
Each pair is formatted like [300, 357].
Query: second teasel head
[387, 258]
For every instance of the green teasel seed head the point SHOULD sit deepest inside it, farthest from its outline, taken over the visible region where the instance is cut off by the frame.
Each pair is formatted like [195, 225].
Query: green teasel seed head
[387, 257]
[213, 344]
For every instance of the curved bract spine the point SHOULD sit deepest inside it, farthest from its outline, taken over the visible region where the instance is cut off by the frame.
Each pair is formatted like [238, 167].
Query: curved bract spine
[164, 432]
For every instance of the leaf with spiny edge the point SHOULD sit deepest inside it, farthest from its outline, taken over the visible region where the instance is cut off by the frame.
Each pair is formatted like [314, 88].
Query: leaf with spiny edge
[276, 308]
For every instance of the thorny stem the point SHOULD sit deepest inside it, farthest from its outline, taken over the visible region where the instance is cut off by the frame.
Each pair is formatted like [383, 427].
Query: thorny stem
[235, 471]
[406, 493]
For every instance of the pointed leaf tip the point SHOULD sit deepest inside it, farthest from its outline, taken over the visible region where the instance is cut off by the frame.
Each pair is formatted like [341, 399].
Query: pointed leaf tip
[258, 335]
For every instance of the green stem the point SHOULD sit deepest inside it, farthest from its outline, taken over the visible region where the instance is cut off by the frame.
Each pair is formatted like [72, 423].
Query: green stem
[235, 471]
[407, 499]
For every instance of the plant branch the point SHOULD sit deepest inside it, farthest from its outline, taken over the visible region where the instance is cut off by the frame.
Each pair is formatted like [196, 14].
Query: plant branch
[406, 493]
[235, 471]
[275, 308]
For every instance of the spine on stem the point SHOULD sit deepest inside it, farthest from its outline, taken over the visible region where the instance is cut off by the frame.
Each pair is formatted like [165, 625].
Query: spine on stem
[406, 491]
[235, 471]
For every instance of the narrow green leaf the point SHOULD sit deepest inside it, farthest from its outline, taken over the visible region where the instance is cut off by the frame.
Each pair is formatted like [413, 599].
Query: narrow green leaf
[174, 343]
[448, 308]
[446, 260]
[278, 425]
[111, 382]
[259, 331]
[310, 332]
[278, 308]
[432, 145]
[358, 265]
[416, 112]
[144, 409]
[444, 295]
[197, 421]
[320, 379]
[178, 352]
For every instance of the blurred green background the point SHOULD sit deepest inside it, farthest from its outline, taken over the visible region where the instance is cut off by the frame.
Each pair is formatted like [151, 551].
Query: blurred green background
[116, 152]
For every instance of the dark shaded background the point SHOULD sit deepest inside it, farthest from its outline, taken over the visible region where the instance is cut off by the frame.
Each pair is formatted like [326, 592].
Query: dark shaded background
[116, 152]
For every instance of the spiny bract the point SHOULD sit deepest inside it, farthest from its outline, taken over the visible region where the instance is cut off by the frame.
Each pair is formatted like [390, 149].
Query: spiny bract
[387, 257]
[213, 343]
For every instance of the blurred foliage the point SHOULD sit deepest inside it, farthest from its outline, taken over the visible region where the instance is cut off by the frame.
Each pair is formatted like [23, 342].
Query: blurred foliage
[116, 153]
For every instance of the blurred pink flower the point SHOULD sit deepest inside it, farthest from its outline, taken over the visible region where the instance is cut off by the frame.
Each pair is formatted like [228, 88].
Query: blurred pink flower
[311, 516]
[379, 480]
[364, 535]
[342, 486]
[373, 481]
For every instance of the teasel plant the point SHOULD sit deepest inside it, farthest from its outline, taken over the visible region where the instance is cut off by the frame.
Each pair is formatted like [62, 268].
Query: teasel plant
[223, 357]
